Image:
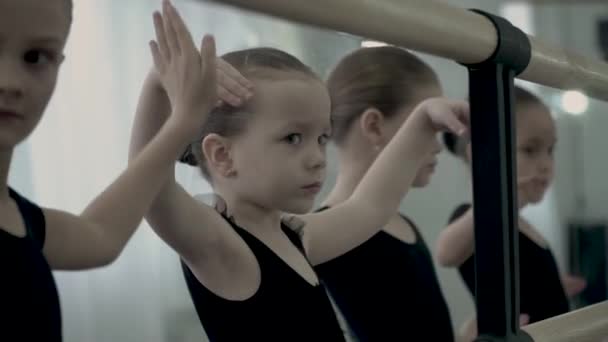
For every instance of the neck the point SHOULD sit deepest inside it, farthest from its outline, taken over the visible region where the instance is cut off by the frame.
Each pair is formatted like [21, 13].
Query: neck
[5, 164]
[350, 172]
[249, 215]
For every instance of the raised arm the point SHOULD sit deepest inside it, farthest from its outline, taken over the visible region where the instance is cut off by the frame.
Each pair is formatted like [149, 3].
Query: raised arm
[457, 241]
[100, 232]
[333, 232]
[189, 227]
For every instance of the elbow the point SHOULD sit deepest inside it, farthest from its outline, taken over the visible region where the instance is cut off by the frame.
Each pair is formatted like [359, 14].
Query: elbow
[108, 251]
[443, 254]
[108, 256]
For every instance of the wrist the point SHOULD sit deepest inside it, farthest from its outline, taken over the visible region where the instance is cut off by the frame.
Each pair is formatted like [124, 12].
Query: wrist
[179, 125]
[421, 121]
[153, 80]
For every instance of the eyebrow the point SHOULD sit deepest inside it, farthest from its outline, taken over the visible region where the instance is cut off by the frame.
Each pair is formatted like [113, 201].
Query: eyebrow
[47, 40]
[303, 125]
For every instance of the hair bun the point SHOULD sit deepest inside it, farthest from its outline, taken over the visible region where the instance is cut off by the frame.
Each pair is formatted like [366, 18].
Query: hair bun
[188, 157]
[450, 141]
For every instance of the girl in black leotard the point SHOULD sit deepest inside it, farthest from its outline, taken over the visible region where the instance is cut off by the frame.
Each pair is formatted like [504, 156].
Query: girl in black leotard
[542, 293]
[34, 240]
[263, 151]
[386, 288]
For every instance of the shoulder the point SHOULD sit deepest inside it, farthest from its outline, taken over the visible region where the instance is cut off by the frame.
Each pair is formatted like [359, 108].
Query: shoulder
[33, 216]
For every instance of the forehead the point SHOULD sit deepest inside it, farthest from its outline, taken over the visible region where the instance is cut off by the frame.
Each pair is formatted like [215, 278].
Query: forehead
[535, 121]
[34, 20]
[301, 100]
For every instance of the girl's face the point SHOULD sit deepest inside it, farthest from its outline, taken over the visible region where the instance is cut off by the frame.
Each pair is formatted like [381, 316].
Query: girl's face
[280, 158]
[32, 38]
[394, 123]
[536, 139]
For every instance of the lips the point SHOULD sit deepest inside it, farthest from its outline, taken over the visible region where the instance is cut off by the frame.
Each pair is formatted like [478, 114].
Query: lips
[313, 187]
[543, 183]
[8, 114]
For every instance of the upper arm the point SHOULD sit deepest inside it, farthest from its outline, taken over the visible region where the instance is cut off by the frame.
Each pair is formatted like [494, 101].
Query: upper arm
[335, 231]
[456, 242]
[73, 243]
[194, 230]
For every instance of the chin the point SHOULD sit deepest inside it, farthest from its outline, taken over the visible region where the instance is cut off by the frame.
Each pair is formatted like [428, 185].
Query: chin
[8, 140]
[537, 199]
[298, 207]
[421, 182]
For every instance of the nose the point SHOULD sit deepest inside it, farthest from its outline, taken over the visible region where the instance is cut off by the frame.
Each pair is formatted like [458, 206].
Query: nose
[11, 80]
[546, 164]
[316, 157]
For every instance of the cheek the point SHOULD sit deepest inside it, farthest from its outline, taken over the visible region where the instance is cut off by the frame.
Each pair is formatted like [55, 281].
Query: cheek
[41, 91]
[523, 164]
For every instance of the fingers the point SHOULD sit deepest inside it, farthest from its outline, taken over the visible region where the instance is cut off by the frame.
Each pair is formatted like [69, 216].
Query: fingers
[461, 110]
[524, 319]
[183, 37]
[156, 55]
[573, 285]
[233, 88]
[170, 34]
[232, 85]
[454, 125]
[208, 61]
[208, 51]
[228, 97]
[234, 74]
[161, 39]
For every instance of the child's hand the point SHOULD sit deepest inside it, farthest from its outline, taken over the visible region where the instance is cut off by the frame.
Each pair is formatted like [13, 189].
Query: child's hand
[445, 115]
[232, 87]
[188, 76]
[573, 285]
[468, 331]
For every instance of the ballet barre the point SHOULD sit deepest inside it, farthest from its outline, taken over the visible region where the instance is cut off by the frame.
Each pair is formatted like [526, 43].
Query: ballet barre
[439, 29]
[589, 324]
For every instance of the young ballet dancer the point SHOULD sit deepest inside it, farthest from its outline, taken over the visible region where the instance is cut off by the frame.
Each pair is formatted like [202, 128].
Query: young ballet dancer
[248, 266]
[34, 240]
[386, 287]
[542, 295]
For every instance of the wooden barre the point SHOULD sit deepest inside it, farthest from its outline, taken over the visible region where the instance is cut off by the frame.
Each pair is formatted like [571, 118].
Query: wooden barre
[588, 324]
[439, 29]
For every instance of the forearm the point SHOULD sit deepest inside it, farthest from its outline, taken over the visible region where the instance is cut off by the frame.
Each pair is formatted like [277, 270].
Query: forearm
[457, 242]
[118, 211]
[391, 175]
[153, 110]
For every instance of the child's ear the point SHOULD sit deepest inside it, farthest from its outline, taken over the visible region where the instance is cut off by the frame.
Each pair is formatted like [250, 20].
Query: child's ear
[370, 124]
[216, 150]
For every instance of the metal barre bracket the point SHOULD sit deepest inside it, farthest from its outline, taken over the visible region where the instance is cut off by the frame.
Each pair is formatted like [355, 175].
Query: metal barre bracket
[513, 47]
[493, 128]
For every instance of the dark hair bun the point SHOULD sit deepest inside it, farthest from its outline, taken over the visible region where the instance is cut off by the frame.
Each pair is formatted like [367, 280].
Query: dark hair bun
[188, 157]
[450, 141]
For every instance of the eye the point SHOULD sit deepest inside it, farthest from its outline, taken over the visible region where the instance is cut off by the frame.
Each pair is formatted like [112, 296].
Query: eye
[294, 139]
[38, 57]
[528, 150]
